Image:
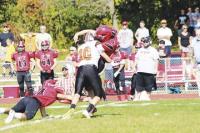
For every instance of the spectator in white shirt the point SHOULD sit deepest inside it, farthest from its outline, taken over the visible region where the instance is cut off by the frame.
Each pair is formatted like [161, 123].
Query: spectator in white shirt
[191, 21]
[42, 36]
[125, 37]
[165, 33]
[140, 33]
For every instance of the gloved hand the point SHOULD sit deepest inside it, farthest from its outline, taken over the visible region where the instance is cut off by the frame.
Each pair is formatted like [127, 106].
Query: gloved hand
[116, 73]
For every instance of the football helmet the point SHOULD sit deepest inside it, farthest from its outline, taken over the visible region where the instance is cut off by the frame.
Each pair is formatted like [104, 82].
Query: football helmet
[104, 33]
[110, 46]
[45, 45]
[20, 46]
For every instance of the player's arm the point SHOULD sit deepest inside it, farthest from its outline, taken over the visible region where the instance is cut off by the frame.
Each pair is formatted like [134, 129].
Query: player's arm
[43, 112]
[83, 32]
[38, 64]
[122, 64]
[64, 97]
[106, 57]
[55, 63]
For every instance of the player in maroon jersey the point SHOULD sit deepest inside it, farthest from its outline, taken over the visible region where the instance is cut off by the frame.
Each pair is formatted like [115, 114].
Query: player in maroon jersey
[22, 60]
[118, 69]
[27, 107]
[107, 37]
[46, 61]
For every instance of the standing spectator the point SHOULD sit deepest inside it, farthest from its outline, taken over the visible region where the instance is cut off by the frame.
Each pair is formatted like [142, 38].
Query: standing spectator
[196, 17]
[8, 59]
[140, 33]
[165, 33]
[181, 20]
[7, 34]
[184, 41]
[30, 41]
[118, 58]
[46, 61]
[196, 46]
[22, 59]
[72, 58]
[146, 64]
[125, 38]
[191, 21]
[43, 36]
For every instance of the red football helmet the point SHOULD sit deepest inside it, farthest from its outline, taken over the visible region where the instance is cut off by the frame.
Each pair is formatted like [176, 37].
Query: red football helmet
[20, 46]
[110, 46]
[104, 33]
[45, 45]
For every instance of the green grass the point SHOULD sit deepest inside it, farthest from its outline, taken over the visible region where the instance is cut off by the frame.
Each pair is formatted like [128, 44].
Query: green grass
[170, 116]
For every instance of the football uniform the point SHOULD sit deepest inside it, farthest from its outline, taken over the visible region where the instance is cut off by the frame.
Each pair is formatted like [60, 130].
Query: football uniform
[119, 59]
[89, 54]
[46, 62]
[23, 66]
[46, 96]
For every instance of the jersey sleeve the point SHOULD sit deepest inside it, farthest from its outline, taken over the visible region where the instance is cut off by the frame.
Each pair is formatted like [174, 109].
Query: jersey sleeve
[32, 54]
[37, 54]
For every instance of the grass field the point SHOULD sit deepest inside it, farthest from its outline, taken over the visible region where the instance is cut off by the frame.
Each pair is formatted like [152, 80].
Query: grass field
[169, 116]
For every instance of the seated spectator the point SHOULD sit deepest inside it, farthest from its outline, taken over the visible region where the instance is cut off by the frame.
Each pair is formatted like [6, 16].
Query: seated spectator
[8, 59]
[184, 41]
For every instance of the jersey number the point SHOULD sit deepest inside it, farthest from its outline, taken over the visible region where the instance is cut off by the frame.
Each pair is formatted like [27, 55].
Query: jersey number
[85, 53]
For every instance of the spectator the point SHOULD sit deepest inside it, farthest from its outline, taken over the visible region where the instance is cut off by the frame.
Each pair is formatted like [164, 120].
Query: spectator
[30, 41]
[146, 64]
[43, 36]
[67, 82]
[125, 37]
[140, 33]
[46, 61]
[22, 59]
[180, 21]
[191, 21]
[196, 46]
[8, 59]
[196, 16]
[72, 58]
[165, 33]
[197, 24]
[7, 34]
[184, 41]
[161, 49]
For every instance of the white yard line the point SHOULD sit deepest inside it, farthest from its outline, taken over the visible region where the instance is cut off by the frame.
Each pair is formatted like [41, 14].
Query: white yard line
[113, 104]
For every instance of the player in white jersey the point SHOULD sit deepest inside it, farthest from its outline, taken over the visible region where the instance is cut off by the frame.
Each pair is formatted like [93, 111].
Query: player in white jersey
[87, 73]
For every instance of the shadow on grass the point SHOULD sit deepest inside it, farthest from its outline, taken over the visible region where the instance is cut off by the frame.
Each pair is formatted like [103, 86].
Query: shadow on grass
[104, 115]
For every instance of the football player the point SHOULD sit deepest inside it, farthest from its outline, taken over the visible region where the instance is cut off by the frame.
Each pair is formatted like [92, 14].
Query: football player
[46, 61]
[107, 37]
[22, 59]
[87, 73]
[27, 107]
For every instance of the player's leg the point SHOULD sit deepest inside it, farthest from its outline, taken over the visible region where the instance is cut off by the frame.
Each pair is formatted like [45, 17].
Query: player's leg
[79, 84]
[18, 108]
[27, 78]
[139, 86]
[20, 80]
[32, 106]
[96, 86]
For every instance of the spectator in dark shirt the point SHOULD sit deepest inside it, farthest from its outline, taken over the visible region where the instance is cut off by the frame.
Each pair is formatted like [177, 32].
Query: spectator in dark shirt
[181, 20]
[6, 35]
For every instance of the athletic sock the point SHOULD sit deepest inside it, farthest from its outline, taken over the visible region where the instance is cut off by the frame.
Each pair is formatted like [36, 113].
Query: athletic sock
[90, 108]
[18, 115]
[73, 106]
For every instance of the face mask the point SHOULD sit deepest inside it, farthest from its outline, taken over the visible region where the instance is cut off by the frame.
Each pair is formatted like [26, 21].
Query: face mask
[20, 49]
[45, 47]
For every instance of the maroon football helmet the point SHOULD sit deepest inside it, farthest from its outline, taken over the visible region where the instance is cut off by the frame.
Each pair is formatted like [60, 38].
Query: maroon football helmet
[110, 46]
[104, 33]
